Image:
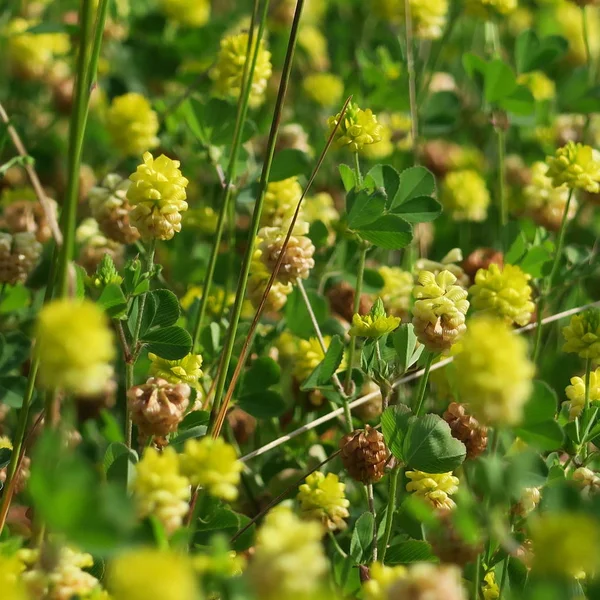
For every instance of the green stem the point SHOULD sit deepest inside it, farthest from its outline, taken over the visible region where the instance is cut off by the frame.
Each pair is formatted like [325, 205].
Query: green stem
[477, 580]
[586, 404]
[391, 507]
[371, 501]
[586, 39]
[420, 399]
[501, 139]
[357, 173]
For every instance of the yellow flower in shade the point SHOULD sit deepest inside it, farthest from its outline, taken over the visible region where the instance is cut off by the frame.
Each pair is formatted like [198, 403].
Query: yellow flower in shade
[490, 589]
[10, 578]
[132, 124]
[465, 196]
[193, 13]
[257, 283]
[569, 21]
[503, 292]
[381, 579]
[576, 393]
[157, 196]
[434, 488]
[213, 465]
[228, 72]
[493, 372]
[428, 581]
[396, 291]
[322, 498]
[320, 207]
[314, 44]
[288, 560]
[582, 334]
[214, 302]
[308, 355]
[375, 324]
[539, 84]
[75, 347]
[439, 311]
[358, 128]
[565, 544]
[577, 166]
[325, 89]
[281, 200]
[150, 574]
[160, 490]
[184, 370]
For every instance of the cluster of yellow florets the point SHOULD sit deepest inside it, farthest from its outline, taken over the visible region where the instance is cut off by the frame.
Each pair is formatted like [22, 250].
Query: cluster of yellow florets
[257, 284]
[396, 291]
[434, 488]
[428, 17]
[576, 393]
[576, 166]
[325, 89]
[308, 355]
[280, 202]
[184, 370]
[321, 498]
[381, 579]
[358, 128]
[465, 195]
[539, 84]
[193, 13]
[582, 335]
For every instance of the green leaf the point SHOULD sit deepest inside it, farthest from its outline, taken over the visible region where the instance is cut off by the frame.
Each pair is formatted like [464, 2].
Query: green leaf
[263, 405]
[520, 102]
[500, 81]
[362, 537]
[545, 436]
[474, 65]
[394, 424]
[193, 433]
[348, 177]
[297, 317]
[15, 347]
[430, 447]
[170, 343]
[421, 209]
[263, 373]
[542, 404]
[531, 53]
[113, 301]
[405, 344]
[414, 182]
[386, 178]
[333, 358]
[12, 390]
[364, 207]
[372, 281]
[118, 464]
[195, 418]
[441, 112]
[408, 552]
[167, 308]
[535, 260]
[390, 232]
[288, 163]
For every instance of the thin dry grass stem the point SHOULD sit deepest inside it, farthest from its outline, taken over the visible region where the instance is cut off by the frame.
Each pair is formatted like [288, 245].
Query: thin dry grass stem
[246, 347]
[35, 181]
[406, 379]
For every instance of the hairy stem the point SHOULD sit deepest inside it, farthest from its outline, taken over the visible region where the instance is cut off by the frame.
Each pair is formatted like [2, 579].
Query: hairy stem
[391, 507]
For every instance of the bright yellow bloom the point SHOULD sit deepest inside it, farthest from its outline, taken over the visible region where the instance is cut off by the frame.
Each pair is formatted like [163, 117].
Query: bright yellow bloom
[5, 442]
[10, 570]
[576, 393]
[160, 490]
[539, 84]
[157, 196]
[503, 292]
[132, 124]
[493, 372]
[75, 347]
[281, 200]
[184, 370]
[569, 21]
[228, 72]
[193, 13]
[325, 89]
[577, 166]
[322, 498]
[371, 326]
[150, 574]
[359, 128]
[308, 355]
[213, 465]
[396, 291]
[381, 579]
[582, 334]
[434, 488]
[490, 589]
[425, 580]
[489, 8]
[465, 195]
[288, 561]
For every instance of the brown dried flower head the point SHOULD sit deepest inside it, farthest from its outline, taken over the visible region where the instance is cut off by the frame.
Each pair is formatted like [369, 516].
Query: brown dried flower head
[364, 454]
[466, 429]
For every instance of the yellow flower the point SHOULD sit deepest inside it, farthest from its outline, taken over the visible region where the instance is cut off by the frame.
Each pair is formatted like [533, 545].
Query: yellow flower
[320, 207]
[503, 292]
[381, 579]
[322, 498]
[493, 372]
[281, 200]
[428, 16]
[213, 465]
[150, 574]
[5, 442]
[450, 262]
[184, 370]
[489, 8]
[427, 580]
[582, 334]
[490, 589]
[75, 347]
[396, 291]
[314, 43]
[539, 84]
[288, 561]
[132, 124]
[577, 166]
[325, 89]
[375, 324]
[214, 302]
[257, 283]
[569, 21]
[434, 488]
[576, 393]
[157, 196]
[160, 490]
[359, 128]
[465, 195]
[308, 355]
[229, 69]
[10, 570]
[193, 13]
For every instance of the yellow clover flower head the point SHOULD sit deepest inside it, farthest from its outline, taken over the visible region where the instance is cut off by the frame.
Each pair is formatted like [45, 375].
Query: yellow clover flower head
[357, 129]
[280, 202]
[132, 124]
[375, 324]
[493, 372]
[288, 561]
[322, 498]
[75, 347]
[582, 334]
[228, 72]
[257, 283]
[160, 490]
[434, 488]
[184, 370]
[577, 166]
[490, 589]
[381, 579]
[503, 292]
[576, 393]
[10, 584]
[157, 196]
[308, 355]
[539, 84]
[465, 196]
[396, 291]
[428, 580]
[193, 13]
[213, 465]
[325, 89]
[151, 574]
[428, 16]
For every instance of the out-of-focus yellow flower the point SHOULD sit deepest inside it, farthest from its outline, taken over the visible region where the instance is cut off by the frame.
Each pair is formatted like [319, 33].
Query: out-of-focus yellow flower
[539, 84]
[428, 16]
[396, 291]
[465, 195]
[487, 9]
[157, 196]
[228, 72]
[576, 393]
[434, 488]
[320, 207]
[570, 23]
[490, 589]
[160, 490]
[503, 292]
[314, 43]
[358, 128]
[322, 498]
[530, 498]
[582, 334]
[204, 219]
[325, 89]
[577, 166]
[381, 149]
[75, 347]
[493, 372]
[10, 584]
[183, 370]
[280, 202]
[213, 465]
[151, 574]
[308, 355]
[132, 124]
[193, 13]
[220, 563]
[288, 561]
[520, 19]
[375, 324]
[381, 579]
[214, 302]
[427, 580]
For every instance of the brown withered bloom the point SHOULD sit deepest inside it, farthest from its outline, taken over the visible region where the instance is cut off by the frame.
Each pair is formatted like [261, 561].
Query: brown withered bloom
[341, 300]
[449, 545]
[364, 454]
[466, 429]
[482, 258]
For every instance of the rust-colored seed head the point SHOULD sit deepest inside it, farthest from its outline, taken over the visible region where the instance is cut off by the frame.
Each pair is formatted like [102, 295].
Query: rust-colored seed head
[467, 429]
[341, 301]
[449, 546]
[482, 258]
[242, 424]
[21, 477]
[364, 454]
[28, 216]
[116, 225]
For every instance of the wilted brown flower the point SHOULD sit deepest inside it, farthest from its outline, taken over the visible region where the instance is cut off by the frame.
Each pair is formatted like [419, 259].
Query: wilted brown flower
[341, 300]
[19, 253]
[482, 258]
[28, 216]
[466, 429]
[364, 454]
[449, 545]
